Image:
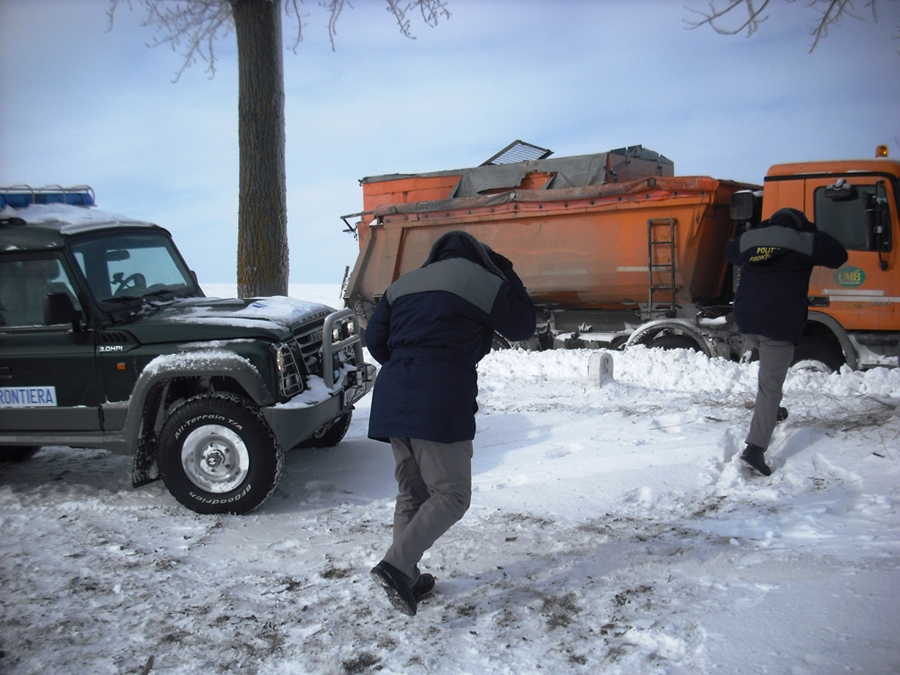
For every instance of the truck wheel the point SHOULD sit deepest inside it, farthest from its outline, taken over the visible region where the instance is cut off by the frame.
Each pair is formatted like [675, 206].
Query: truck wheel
[817, 354]
[218, 455]
[333, 436]
[499, 342]
[17, 453]
[674, 342]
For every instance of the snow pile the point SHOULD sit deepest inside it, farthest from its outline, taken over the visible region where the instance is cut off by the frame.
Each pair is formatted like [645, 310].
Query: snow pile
[613, 530]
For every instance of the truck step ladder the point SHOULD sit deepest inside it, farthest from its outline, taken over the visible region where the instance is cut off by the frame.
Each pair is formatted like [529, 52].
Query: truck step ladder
[661, 265]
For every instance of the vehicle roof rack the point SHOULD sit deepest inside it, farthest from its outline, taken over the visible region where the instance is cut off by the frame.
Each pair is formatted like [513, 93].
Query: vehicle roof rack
[20, 196]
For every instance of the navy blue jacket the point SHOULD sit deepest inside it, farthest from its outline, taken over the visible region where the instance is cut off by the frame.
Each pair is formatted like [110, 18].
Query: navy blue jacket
[776, 260]
[430, 329]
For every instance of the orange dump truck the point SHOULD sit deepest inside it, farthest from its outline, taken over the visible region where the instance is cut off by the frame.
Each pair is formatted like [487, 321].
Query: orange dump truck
[616, 250]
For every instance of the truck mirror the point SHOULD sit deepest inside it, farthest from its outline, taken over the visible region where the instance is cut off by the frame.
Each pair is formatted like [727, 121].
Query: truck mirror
[59, 308]
[841, 191]
[882, 223]
[746, 206]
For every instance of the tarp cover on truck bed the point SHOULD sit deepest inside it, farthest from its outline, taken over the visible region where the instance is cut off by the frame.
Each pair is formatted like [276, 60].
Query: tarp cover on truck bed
[614, 166]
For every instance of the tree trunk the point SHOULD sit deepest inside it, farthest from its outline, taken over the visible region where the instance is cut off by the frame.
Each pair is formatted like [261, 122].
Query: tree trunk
[262, 260]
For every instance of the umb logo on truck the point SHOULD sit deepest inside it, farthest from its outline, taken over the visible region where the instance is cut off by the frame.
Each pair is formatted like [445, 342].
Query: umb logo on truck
[27, 397]
[849, 277]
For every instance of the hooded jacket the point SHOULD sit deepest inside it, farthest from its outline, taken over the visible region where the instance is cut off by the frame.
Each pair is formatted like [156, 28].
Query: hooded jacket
[776, 260]
[431, 328]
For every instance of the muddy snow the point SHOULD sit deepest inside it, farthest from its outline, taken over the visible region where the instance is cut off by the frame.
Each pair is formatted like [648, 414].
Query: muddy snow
[613, 530]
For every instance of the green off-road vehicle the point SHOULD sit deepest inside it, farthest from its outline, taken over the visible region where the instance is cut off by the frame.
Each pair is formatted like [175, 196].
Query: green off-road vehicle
[107, 341]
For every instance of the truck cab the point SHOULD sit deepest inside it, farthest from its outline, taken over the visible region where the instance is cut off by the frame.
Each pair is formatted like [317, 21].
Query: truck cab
[854, 311]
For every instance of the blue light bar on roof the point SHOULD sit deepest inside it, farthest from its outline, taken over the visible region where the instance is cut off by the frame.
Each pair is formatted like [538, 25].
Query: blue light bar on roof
[20, 196]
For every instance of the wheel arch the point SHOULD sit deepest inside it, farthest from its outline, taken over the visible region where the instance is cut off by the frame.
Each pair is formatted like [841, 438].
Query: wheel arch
[168, 379]
[645, 334]
[825, 327]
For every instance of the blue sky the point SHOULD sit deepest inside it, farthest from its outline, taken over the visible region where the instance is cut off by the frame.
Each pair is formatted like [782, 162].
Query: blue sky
[82, 104]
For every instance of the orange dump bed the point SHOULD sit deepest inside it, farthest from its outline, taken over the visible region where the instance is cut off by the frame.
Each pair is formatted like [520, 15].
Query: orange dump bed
[590, 246]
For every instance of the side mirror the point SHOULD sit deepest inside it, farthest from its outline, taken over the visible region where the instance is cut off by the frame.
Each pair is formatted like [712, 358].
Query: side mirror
[841, 191]
[882, 226]
[746, 206]
[59, 308]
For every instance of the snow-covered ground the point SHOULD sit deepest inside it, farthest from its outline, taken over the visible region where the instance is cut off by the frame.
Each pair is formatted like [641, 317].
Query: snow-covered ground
[612, 530]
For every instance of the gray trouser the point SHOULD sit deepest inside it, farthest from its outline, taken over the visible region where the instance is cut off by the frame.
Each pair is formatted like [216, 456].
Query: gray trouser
[434, 491]
[775, 358]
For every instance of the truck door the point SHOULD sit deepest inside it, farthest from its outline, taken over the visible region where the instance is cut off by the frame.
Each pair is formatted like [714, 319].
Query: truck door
[48, 380]
[860, 210]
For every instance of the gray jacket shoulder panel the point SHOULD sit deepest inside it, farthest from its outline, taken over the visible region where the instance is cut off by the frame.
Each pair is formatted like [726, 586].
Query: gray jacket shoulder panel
[459, 276]
[780, 237]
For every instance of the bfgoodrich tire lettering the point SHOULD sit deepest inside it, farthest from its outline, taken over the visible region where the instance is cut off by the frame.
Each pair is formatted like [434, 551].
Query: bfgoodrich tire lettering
[217, 454]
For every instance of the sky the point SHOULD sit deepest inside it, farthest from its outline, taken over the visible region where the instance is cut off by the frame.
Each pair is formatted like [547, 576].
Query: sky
[83, 104]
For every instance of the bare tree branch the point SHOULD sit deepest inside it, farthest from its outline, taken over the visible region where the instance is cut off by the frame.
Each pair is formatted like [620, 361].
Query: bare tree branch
[191, 27]
[715, 15]
[830, 13]
[431, 10]
[292, 8]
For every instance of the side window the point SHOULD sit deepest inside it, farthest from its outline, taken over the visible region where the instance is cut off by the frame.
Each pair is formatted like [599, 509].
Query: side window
[25, 283]
[845, 217]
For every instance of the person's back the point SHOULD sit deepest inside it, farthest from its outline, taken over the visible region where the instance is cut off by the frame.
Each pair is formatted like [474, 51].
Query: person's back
[776, 260]
[430, 329]
[433, 325]
[770, 307]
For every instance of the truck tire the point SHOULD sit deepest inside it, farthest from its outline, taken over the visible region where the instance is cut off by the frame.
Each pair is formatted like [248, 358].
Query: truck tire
[332, 436]
[674, 342]
[817, 354]
[17, 453]
[217, 454]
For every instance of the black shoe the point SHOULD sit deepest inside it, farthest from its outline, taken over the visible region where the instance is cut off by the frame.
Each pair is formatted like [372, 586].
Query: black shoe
[422, 588]
[781, 415]
[396, 585]
[755, 456]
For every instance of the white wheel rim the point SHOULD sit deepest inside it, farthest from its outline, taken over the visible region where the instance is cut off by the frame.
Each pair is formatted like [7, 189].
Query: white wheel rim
[215, 458]
[812, 365]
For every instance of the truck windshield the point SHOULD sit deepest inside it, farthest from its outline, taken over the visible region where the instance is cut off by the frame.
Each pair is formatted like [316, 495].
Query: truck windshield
[133, 266]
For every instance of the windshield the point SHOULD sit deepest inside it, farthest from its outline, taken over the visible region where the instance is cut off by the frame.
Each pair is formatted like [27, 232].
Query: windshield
[127, 266]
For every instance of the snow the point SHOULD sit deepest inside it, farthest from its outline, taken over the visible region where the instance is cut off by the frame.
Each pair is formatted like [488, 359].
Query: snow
[75, 215]
[272, 312]
[612, 530]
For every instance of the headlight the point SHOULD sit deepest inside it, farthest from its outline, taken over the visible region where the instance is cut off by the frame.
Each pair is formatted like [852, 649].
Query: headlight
[290, 380]
[341, 331]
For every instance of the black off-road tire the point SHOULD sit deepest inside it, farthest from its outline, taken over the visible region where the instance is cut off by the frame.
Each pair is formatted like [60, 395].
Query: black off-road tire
[17, 453]
[333, 436]
[217, 454]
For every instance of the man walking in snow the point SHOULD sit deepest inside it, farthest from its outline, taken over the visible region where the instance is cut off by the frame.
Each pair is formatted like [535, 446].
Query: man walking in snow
[430, 329]
[770, 307]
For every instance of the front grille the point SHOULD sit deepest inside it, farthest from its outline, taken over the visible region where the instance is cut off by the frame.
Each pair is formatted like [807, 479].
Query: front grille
[309, 341]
